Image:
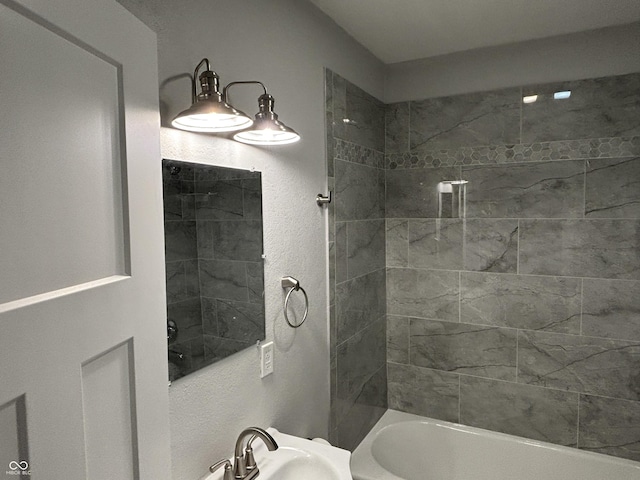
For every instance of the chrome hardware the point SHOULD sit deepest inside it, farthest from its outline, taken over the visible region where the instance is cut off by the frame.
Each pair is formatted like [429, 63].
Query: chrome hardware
[250, 460]
[228, 473]
[290, 282]
[176, 354]
[294, 285]
[172, 330]
[244, 465]
[323, 200]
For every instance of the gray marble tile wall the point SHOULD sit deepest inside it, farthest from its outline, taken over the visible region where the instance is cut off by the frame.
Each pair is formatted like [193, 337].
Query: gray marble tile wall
[357, 270]
[213, 248]
[513, 262]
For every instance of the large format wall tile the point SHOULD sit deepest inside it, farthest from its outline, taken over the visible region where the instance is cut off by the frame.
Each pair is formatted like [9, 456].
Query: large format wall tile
[223, 279]
[182, 280]
[397, 240]
[536, 190]
[359, 359]
[452, 244]
[463, 348]
[532, 303]
[423, 293]
[175, 281]
[255, 281]
[414, 193]
[359, 192]
[363, 411]
[219, 200]
[359, 302]
[485, 118]
[601, 107]
[187, 315]
[612, 188]
[581, 248]
[422, 391]
[342, 272]
[611, 308]
[436, 243]
[491, 245]
[180, 241]
[584, 364]
[235, 240]
[365, 246]
[397, 339]
[367, 119]
[531, 412]
[364, 112]
[610, 426]
[397, 128]
[240, 320]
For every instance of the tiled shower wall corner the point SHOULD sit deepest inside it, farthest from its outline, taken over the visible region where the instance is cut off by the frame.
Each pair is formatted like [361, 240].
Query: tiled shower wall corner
[357, 281]
[513, 262]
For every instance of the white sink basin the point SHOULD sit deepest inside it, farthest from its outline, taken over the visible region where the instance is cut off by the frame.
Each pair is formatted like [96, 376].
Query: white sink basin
[297, 459]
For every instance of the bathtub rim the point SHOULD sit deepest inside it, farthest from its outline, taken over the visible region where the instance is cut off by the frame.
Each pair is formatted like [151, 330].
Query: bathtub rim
[367, 468]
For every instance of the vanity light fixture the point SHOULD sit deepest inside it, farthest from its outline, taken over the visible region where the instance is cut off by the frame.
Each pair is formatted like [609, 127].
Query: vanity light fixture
[210, 113]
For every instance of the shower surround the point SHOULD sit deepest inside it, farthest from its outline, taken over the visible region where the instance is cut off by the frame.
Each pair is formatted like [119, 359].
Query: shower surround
[513, 261]
[356, 257]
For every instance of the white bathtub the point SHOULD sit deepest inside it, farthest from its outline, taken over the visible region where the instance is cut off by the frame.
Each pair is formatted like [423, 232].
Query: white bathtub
[409, 447]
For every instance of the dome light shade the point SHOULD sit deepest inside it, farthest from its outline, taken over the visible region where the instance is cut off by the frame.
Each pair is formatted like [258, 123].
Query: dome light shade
[267, 129]
[209, 112]
[210, 116]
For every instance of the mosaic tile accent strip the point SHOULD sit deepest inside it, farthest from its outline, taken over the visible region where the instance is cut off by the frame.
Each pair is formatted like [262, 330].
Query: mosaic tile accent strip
[352, 152]
[520, 153]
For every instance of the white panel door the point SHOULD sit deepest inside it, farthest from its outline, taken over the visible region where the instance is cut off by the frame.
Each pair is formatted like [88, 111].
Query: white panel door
[83, 365]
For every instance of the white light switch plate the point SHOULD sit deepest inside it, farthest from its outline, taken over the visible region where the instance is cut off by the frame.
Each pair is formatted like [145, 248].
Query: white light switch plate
[266, 359]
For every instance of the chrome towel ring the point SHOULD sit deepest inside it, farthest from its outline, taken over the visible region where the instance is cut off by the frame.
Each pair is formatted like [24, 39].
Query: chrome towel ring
[294, 285]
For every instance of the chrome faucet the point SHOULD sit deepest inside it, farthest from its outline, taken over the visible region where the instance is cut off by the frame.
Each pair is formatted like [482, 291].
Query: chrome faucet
[244, 466]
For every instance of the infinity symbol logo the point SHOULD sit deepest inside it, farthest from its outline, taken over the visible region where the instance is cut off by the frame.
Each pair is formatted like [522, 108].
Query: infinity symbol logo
[13, 465]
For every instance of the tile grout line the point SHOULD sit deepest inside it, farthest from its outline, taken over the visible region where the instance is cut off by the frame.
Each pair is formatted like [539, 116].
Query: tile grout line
[517, 352]
[460, 297]
[578, 424]
[581, 303]
[408, 341]
[518, 251]
[584, 189]
[521, 112]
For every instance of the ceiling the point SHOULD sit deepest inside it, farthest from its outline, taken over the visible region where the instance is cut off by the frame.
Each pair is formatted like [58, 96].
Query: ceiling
[402, 30]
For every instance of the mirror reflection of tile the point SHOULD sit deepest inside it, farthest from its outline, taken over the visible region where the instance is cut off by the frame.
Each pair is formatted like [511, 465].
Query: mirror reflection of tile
[214, 266]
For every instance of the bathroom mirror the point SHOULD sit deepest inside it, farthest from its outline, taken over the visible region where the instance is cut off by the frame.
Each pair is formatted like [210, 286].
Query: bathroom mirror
[214, 265]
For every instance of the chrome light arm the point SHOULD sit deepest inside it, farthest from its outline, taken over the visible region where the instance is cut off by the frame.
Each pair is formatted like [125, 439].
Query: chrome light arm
[244, 82]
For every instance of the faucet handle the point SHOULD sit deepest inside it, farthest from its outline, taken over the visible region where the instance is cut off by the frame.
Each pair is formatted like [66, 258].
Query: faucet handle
[249, 459]
[228, 474]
